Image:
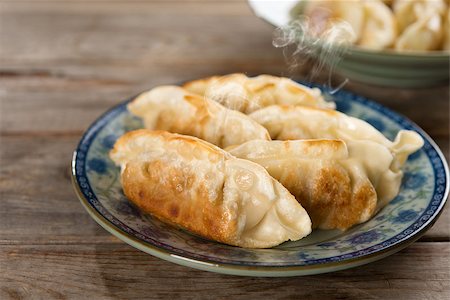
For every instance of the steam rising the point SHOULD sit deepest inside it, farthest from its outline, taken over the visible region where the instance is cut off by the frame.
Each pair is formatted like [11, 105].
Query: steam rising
[316, 43]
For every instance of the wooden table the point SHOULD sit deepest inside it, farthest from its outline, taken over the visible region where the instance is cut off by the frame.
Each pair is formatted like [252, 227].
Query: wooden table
[63, 63]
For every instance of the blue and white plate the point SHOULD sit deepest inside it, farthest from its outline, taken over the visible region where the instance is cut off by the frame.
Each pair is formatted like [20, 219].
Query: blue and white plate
[422, 196]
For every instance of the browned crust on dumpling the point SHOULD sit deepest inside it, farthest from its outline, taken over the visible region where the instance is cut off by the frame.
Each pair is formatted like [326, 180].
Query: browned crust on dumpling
[200, 86]
[315, 147]
[260, 91]
[214, 153]
[269, 85]
[202, 114]
[315, 172]
[174, 194]
[202, 117]
[197, 186]
[168, 194]
[333, 203]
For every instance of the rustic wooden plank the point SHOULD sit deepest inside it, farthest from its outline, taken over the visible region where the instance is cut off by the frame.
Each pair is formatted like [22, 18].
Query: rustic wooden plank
[124, 7]
[40, 206]
[38, 202]
[139, 33]
[118, 271]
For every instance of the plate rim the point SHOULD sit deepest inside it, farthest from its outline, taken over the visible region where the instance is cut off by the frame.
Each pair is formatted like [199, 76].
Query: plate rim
[257, 270]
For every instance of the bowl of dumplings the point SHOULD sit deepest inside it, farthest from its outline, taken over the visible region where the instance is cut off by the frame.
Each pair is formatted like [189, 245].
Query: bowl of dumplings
[249, 175]
[397, 43]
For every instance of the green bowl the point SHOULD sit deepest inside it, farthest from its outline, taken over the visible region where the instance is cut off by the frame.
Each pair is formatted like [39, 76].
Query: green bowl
[389, 68]
[386, 67]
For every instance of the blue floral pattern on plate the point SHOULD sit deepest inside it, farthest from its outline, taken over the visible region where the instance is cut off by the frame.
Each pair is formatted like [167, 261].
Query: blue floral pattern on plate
[421, 198]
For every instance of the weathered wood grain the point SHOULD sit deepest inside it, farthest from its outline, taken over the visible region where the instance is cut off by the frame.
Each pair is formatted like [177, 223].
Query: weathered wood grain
[142, 33]
[40, 206]
[118, 271]
[38, 201]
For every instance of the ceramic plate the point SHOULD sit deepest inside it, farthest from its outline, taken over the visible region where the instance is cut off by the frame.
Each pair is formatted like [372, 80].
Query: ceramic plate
[422, 196]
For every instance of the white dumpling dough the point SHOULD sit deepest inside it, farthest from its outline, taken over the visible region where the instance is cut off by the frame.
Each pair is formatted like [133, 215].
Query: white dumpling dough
[174, 109]
[380, 28]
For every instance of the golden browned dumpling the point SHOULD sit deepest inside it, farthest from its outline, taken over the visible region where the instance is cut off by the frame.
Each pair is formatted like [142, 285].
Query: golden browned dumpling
[330, 180]
[193, 184]
[340, 184]
[174, 109]
[247, 94]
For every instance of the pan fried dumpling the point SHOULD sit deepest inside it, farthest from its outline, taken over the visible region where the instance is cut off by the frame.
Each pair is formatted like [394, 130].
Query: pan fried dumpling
[380, 28]
[335, 184]
[193, 184]
[292, 123]
[424, 34]
[339, 184]
[421, 24]
[324, 15]
[408, 12]
[247, 94]
[174, 109]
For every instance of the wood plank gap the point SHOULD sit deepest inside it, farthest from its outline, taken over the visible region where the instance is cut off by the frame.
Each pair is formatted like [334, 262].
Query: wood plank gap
[46, 133]
[433, 239]
[6, 73]
[58, 243]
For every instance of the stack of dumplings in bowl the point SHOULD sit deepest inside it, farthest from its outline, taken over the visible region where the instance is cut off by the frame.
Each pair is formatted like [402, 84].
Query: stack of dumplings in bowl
[254, 162]
[400, 25]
